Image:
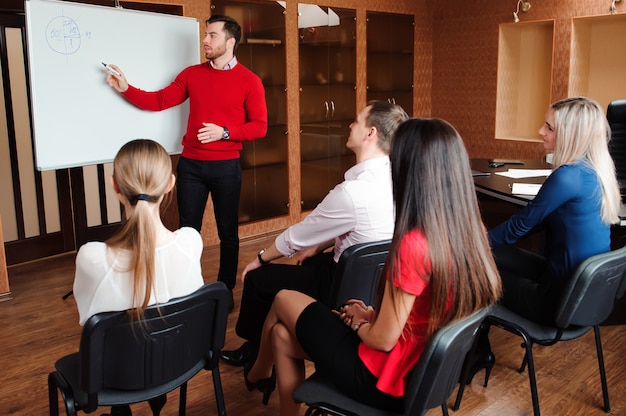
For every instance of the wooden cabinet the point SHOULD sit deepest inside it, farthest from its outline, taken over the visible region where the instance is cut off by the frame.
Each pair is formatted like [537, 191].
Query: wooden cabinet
[265, 189]
[319, 63]
[390, 45]
[327, 52]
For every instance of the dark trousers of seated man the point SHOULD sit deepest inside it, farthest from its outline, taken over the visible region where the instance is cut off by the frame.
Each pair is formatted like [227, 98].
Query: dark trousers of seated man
[313, 277]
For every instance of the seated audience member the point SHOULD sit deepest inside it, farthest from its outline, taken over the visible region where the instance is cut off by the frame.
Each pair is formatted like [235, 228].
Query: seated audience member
[575, 208]
[439, 269]
[358, 210]
[144, 263]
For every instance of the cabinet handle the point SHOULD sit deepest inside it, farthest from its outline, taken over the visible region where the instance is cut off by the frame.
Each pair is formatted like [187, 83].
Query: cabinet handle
[326, 108]
[332, 108]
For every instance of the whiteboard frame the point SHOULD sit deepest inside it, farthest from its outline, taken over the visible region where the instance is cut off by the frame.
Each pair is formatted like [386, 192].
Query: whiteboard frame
[78, 119]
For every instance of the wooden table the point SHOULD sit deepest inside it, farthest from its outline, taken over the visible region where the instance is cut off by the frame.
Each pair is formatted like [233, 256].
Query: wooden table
[499, 186]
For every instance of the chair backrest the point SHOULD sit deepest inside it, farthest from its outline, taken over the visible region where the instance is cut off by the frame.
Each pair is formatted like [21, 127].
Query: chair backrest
[437, 372]
[358, 271]
[616, 115]
[172, 338]
[589, 296]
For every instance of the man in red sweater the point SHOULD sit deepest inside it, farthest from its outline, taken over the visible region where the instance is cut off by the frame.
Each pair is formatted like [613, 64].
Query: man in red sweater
[226, 107]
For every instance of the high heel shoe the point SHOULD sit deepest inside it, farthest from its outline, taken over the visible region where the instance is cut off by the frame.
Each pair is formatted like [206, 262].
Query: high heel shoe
[481, 360]
[265, 385]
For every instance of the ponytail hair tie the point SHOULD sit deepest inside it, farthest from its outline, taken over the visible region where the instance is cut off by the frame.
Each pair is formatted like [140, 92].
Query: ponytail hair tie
[142, 197]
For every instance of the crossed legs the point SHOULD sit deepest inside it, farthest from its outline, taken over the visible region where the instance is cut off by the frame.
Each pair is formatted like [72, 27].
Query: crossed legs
[280, 348]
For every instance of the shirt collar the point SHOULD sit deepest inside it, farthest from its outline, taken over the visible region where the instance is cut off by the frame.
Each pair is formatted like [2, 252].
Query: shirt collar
[229, 65]
[368, 164]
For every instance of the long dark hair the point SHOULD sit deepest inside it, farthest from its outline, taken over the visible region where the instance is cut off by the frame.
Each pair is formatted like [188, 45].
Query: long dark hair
[434, 193]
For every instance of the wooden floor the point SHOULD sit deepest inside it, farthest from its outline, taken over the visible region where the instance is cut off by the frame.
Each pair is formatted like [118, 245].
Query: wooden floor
[37, 327]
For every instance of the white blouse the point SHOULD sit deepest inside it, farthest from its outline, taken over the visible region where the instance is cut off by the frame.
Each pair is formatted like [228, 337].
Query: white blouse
[103, 283]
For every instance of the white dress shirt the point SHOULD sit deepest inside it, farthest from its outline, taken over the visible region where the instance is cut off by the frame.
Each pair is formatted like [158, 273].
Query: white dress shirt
[358, 210]
[103, 283]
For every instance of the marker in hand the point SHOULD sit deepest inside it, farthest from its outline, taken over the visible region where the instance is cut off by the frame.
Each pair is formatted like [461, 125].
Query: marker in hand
[111, 70]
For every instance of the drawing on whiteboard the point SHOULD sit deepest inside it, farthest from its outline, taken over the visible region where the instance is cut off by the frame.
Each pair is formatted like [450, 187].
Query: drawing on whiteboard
[63, 35]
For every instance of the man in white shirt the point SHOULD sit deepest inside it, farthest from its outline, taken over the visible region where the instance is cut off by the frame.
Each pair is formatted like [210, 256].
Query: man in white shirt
[358, 210]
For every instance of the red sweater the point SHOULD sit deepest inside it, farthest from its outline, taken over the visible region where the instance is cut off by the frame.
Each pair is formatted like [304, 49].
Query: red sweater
[233, 98]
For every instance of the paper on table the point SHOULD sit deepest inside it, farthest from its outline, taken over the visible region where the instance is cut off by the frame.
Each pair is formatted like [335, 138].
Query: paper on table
[525, 188]
[525, 173]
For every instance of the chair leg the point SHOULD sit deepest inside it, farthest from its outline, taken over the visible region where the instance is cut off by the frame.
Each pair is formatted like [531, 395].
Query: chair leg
[219, 393]
[182, 402]
[522, 367]
[605, 387]
[528, 359]
[444, 409]
[156, 404]
[53, 397]
[459, 396]
[469, 362]
[56, 382]
[464, 374]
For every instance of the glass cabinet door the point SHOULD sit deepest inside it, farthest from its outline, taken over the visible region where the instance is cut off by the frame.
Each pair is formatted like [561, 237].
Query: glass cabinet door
[390, 39]
[265, 187]
[327, 51]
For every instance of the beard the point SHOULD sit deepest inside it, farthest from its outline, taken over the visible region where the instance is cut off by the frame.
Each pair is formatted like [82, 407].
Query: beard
[216, 52]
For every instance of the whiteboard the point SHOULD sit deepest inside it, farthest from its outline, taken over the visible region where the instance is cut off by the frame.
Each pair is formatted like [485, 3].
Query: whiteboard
[77, 118]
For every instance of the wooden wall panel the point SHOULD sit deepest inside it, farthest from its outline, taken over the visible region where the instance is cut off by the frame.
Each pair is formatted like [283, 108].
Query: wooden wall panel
[456, 56]
[465, 58]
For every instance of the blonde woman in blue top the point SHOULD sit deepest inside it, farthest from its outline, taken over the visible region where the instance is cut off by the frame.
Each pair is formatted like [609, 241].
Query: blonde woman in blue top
[575, 208]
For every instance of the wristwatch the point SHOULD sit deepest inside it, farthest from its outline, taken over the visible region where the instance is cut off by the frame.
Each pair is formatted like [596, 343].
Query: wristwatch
[226, 134]
[259, 256]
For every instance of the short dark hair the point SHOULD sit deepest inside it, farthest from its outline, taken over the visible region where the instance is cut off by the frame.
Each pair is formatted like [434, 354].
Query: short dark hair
[231, 27]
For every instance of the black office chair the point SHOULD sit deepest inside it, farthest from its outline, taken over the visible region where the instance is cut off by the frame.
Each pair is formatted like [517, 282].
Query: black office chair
[121, 361]
[616, 115]
[431, 382]
[587, 301]
[358, 272]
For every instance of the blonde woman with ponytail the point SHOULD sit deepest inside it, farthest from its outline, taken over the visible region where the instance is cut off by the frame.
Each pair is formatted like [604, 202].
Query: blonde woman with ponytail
[144, 263]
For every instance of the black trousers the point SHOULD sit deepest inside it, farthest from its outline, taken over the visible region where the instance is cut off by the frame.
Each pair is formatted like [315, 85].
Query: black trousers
[529, 288]
[221, 179]
[313, 277]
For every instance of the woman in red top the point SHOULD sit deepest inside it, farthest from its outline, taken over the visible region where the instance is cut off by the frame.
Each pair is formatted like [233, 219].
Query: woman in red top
[439, 269]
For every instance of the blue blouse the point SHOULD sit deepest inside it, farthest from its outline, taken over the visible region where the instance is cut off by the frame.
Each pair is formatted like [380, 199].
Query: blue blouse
[569, 206]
